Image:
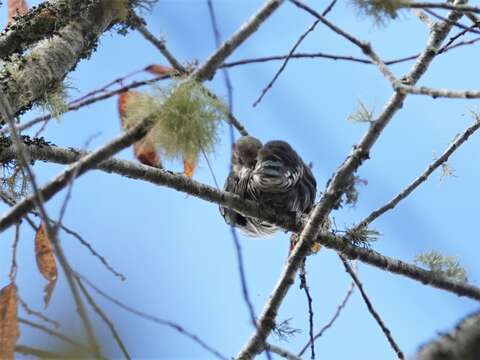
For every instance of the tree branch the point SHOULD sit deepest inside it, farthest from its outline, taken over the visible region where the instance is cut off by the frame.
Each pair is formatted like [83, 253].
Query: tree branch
[371, 310]
[461, 343]
[457, 142]
[184, 184]
[334, 191]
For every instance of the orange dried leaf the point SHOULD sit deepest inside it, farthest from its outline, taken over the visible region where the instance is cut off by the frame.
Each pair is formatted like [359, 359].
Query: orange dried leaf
[14, 8]
[188, 167]
[145, 152]
[8, 321]
[123, 100]
[45, 261]
[48, 291]
[315, 247]
[160, 69]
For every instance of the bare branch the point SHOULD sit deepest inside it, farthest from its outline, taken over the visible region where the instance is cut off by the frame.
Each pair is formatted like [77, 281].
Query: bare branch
[290, 53]
[461, 343]
[13, 266]
[51, 332]
[41, 354]
[456, 143]
[304, 286]
[281, 352]
[243, 280]
[104, 317]
[440, 5]
[332, 320]
[94, 252]
[436, 93]
[154, 319]
[364, 46]
[207, 71]
[38, 314]
[160, 45]
[371, 310]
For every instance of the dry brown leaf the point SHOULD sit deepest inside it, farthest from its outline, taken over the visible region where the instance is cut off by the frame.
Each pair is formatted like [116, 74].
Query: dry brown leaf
[144, 150]
[8, 321]
[45, 262]
[315, 247]
[160, 69]
[122, 103]
[16, 7]
[188, 167]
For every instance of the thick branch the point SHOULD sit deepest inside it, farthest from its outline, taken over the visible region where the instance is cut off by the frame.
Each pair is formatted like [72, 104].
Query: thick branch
[435, 93]
[27, 79]
[440, 5]
[462, 343]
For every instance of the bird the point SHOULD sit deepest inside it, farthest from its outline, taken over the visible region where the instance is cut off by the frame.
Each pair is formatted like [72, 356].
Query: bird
[272, 174]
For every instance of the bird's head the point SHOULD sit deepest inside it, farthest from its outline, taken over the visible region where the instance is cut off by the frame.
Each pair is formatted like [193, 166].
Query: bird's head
[244, 153]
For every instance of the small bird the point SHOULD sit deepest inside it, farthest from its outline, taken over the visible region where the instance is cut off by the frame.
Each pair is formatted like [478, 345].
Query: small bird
[272, 174]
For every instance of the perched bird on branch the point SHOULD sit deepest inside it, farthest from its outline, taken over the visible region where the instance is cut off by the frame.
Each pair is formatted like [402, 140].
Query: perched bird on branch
[272, 174]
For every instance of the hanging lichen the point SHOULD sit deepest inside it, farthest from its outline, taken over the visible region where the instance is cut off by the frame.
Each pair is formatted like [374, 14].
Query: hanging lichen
[187, 118]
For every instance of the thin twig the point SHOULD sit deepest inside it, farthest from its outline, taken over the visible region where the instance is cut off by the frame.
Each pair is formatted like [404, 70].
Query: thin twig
[455, 144]
[226, 75]
[371, 310]
[90, 99]
[304, 286]
[102, 259]
[243, 279]
[153, 318]
[13, 266]
[39, 353]
[290, 53]
[440, 5]
[336, 57]
[8, 200]
[51, 332]
[104, 317]
[160, 45]
[68, 195]
[207, 160]
[38, 314]
[332, 320]
[364, 46]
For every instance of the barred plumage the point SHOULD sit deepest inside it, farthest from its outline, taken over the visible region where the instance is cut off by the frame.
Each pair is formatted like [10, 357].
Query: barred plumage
[272, 174]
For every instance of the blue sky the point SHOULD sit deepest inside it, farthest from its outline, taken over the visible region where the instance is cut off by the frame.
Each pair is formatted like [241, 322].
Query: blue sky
[176, 250]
